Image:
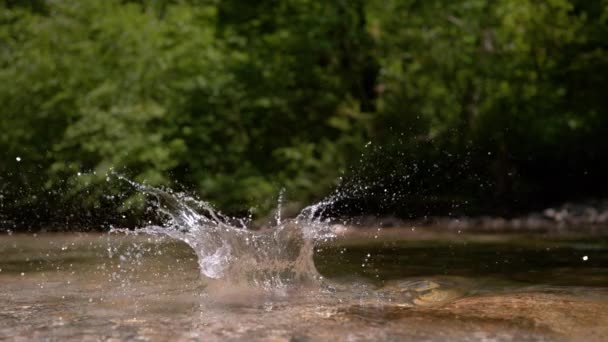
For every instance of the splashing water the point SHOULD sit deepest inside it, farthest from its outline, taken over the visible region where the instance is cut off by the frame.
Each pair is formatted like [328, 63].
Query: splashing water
[228, 251]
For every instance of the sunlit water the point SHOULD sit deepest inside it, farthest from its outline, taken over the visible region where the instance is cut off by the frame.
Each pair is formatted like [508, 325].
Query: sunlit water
[470, 288]
[203, 276]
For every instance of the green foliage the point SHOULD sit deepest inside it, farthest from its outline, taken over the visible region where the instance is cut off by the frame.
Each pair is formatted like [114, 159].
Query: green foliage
[499, 85]
[475, 99]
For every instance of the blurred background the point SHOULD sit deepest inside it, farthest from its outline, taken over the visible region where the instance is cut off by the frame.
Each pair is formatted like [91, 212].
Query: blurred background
[410, 108]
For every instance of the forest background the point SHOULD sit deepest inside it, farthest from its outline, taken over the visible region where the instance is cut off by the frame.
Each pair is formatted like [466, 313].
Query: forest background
[409, 107]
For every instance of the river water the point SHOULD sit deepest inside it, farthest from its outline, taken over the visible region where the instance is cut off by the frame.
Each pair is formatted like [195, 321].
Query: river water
[390, 284]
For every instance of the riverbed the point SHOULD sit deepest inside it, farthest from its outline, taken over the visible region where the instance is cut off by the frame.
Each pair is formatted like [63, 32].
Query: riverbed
[392, 285]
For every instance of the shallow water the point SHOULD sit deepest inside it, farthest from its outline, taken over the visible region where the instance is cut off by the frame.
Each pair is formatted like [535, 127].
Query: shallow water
[389, 286]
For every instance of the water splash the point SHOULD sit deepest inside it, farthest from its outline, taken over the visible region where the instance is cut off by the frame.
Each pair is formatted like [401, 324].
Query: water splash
[280, 206]
[227, 251]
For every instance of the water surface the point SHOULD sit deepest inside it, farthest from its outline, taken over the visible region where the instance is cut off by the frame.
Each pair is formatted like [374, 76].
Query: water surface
[392, 286]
